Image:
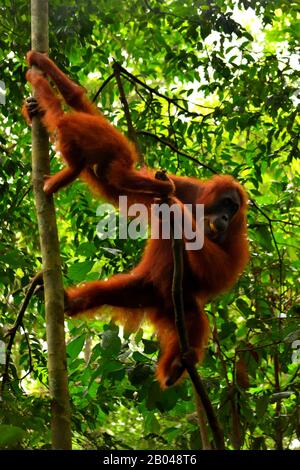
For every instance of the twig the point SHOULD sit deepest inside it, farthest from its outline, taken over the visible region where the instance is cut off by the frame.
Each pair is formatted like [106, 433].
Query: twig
[131, 130]
[202, 422]
[193, 159]
[106, 82]
[179, 152]
[19, 202]
[263, 346]
[186, 155]
[210, 413]
[37, 280]
[236, 428]
[7, 150]
[29, 353]
[278, 422]
[152, 90]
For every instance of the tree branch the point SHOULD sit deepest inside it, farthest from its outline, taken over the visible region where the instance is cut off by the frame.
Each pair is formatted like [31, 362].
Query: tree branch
[152, 90]
[177, 296]
[236, 431]
[101, 88]
[36, 281]
[131, 130]
[176, 150]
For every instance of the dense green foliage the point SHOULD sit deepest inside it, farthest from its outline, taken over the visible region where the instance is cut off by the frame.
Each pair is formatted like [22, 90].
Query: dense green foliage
[222, 91]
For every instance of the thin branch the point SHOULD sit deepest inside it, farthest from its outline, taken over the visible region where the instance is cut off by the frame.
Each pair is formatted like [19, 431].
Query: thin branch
[131, 130]
[36, 281]
[236, 427]
[278, 423]
[270, 219]
[29, 353]
[219, 349]
[176, 150]
[186, 155]
[263, 346]
[291, 380]
[152, 90]
[279, 255]
[19, 202]
[177, 296]
[206, 445]
[13, 31]
[8, 150]
[169, 144]
[101, 88]
[210, 413]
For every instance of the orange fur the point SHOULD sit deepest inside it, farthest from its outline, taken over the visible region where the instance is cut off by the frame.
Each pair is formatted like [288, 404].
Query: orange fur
[112, 157]
[94, 150]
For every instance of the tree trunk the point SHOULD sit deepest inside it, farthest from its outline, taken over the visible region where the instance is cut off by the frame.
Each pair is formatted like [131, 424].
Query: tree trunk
[53, 286]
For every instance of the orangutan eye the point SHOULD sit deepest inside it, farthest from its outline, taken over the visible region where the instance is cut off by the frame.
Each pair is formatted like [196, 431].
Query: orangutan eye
[228, 203]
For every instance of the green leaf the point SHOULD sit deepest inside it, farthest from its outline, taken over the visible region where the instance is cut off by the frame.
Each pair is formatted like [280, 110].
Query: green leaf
[10, 435]
[111, 343]
[150, 346]
[74, 347]
[79, 270]
[253, 323]
[151, 424]
[264, 236]
[86, 249]
[138, 357]
[227, 330]
[243, 307]
[139, 335]
[112, 366]
[140, 374]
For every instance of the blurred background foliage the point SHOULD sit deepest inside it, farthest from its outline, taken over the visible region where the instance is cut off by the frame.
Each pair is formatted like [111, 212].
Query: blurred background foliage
[213, 82]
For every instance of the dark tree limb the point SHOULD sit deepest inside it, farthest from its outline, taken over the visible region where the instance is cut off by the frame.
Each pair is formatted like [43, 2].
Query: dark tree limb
[131, 131]
[206, 445]
[185, 351]
[36, 281]
[177, 295]
[169, 144]
[101, 88]
[153, 91]
[236, 438]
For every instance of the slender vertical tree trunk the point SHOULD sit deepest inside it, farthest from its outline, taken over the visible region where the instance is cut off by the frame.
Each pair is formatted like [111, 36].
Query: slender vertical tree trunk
[202, 422]
[54, 299]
